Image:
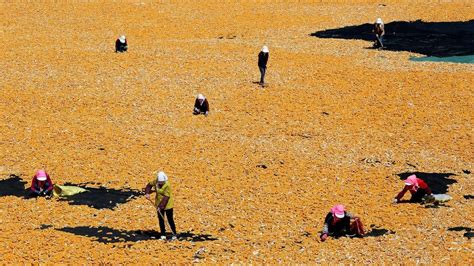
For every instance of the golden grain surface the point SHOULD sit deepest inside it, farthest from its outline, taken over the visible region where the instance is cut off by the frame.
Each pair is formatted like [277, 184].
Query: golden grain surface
[64, 94]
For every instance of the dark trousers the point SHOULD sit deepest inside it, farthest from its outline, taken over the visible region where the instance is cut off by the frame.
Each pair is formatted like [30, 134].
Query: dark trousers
[379, 41]
[43, 194]
[262, 74]
[418, 195]
[161, 220]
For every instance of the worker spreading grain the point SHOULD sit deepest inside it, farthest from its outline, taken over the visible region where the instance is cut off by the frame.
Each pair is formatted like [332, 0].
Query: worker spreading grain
[163, 202]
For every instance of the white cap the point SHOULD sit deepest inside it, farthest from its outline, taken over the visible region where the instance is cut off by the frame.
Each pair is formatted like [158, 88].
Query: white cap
[379, 21]
[340, 216]
[122, 39]
[161, 177]
[201, 97]
[265, 49]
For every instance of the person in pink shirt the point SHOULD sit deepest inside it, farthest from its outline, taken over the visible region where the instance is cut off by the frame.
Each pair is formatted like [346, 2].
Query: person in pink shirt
[41, 185]
[418, 189]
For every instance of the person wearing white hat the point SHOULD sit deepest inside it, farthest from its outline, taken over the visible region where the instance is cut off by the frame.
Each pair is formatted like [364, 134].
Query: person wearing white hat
[164, 202]
[379, 30]
[121, 44]
[262, 64]
[41, 184]
[201, 105]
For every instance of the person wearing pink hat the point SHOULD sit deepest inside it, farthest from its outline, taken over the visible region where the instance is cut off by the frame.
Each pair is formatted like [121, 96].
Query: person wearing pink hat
[418, 189]
[338, 223]
[41, 185]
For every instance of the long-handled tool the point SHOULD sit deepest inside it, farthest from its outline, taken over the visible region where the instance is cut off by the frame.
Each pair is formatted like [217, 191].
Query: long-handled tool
[162, 216]
[378, 39]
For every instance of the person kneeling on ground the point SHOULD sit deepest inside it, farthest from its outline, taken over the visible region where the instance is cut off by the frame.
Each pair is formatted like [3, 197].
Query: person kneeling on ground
[379, 30]
[338, 223]
[163, 202]
[41, 185]
[121, 44]
[201, 105]
[418, 188]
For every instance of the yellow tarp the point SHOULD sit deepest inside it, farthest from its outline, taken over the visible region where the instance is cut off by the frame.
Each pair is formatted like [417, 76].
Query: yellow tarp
[65, 191]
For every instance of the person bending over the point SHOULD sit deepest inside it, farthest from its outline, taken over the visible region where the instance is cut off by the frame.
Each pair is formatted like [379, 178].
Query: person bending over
[418, 189]
[163, 202]
[379, 30]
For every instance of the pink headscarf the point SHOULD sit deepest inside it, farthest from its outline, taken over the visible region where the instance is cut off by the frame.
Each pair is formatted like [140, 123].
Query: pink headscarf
[338, 211]
[412, 181]
[41, 175]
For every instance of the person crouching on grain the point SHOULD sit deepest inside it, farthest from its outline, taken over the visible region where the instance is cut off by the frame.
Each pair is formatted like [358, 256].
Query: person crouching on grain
[418, 189]
[41, 185]
[379, 30]
[262, 64]
[201, 105]
[338, 223]
[163, 202]
[121, 44]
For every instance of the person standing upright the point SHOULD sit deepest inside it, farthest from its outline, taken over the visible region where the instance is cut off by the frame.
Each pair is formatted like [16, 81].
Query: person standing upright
[262, 64]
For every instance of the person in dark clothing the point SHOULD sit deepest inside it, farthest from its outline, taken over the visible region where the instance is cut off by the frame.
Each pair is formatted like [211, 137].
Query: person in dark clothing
[201, 105]
[338, 223]
[121, 44]
[41, 185]
[379, 30]
[418, 188]
[262, 64]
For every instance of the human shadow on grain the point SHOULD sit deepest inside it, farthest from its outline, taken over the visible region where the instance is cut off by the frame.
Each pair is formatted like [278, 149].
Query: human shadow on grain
[101, 197]
[469, 232]
[13, 186]
[105, 234]
[376, 231]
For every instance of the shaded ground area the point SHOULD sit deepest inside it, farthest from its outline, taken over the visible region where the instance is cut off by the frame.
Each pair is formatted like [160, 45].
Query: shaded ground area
[438, 182]
[469, 231]
[109, 235]
[377, 231]
[13, 186]
[101, 197]
[440, 39]
[468, 196]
